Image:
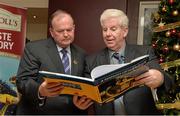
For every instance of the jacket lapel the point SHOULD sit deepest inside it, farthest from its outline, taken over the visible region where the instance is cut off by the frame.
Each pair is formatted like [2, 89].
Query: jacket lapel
[108, 107]
[54, 55]
[74, 61]
[104, 57]
[129, 53]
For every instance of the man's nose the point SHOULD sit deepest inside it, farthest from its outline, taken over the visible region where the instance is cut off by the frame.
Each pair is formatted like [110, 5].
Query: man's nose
[65, 33]
[108, 32]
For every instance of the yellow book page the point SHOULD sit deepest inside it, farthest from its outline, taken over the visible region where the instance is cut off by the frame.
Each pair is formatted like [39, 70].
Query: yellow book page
[82, 89]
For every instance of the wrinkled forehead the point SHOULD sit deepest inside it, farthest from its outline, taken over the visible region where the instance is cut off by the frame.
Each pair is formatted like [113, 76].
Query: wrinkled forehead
[62, 17]
[111, 21]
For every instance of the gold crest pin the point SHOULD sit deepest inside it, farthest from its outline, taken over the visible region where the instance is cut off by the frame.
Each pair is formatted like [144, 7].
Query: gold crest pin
[75, 61]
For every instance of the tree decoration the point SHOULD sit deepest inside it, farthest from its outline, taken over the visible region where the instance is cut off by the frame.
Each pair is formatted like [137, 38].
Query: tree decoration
[164, 9]
[176, 47]
[175, 13]
[170, 2]
[173, 32]
[165, 49]
[166, 44]
[154, 44]
[170, 64]
[167, 27]
[168, 33]
[161, 60]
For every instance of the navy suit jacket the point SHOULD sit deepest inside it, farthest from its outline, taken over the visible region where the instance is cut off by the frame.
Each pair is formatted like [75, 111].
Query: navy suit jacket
[43, 55]
[136, 101]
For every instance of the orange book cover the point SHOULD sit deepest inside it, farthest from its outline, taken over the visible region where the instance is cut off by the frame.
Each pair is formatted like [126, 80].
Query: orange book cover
[108, 82]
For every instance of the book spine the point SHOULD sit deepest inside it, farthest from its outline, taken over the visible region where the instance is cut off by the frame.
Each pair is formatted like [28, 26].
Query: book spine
[45, 75]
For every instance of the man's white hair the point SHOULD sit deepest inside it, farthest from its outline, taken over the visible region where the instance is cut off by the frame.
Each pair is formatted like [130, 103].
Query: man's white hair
[115, 13]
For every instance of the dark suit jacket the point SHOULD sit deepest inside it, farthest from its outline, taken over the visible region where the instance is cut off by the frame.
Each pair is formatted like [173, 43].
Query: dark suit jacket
[43, 55]
[136, 101]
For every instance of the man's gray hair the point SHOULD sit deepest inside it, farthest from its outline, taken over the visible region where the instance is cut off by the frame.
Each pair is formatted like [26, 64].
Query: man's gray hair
[111, 13]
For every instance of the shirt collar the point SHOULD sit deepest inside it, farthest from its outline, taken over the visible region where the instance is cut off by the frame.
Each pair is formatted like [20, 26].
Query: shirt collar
[120, 51]
[60, 48]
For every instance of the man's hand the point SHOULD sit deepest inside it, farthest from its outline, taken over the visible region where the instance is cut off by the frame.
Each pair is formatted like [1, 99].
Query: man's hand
[82, 102]
[50, 89]
[153, 78]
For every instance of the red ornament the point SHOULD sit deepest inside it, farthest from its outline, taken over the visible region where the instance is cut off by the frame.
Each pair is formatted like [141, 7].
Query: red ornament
[165, 49]
[173, 32]
[161, 60]
[171, 1]
[154, 44]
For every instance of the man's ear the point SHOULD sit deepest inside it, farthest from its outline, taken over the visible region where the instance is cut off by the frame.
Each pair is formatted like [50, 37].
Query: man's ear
[51, 31]
[126, 30]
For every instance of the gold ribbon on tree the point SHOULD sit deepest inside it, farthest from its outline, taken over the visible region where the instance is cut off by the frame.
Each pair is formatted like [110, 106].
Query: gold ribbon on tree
[167, 27]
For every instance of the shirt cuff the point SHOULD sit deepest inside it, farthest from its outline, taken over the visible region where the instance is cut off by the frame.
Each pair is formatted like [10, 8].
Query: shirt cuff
[42, 100]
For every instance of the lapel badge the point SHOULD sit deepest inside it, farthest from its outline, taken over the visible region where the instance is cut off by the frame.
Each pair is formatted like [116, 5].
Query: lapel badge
[75, 62]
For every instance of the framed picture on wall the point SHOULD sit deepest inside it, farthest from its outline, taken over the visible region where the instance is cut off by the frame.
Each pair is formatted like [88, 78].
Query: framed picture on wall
[146, 8]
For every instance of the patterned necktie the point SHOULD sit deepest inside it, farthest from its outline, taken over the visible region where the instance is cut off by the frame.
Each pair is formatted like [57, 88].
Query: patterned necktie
[65, 61]
[118, 103]
[120, 59]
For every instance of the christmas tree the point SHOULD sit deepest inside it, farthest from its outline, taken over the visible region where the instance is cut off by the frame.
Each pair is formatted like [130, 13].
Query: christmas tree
[166, 42]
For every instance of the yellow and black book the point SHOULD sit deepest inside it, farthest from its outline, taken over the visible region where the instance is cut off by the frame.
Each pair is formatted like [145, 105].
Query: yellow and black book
[108, 82]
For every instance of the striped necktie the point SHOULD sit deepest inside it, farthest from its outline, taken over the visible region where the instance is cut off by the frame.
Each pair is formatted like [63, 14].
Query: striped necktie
[119, 58]
[118, 103]
[65, 61]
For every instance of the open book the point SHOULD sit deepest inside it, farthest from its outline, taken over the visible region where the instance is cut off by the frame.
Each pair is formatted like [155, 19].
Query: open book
[108, 82]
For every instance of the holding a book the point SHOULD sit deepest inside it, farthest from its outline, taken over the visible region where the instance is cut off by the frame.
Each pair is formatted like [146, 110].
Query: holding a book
[56, 54]
[114, 25]
[41, 95]
[107, 82]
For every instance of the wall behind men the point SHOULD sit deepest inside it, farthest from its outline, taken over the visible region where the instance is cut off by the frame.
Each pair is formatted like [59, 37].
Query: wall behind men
[86, 14]
[36, 31]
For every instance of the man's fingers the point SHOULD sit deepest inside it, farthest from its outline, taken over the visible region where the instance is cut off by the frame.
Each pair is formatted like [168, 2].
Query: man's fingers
[88, 102]
[56, 89]
[53, 85]
[82, 102]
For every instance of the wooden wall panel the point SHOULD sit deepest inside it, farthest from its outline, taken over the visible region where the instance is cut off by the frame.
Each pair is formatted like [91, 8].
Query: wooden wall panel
[86, 14]
[133, 15]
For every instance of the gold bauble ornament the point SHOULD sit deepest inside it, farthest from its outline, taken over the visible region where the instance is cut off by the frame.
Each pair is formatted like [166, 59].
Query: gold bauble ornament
[176, 47]
[168, 33]
[164, 9]
[175, 13]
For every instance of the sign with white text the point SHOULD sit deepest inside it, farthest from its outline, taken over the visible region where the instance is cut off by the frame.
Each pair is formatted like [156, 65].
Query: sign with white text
[12, 40]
